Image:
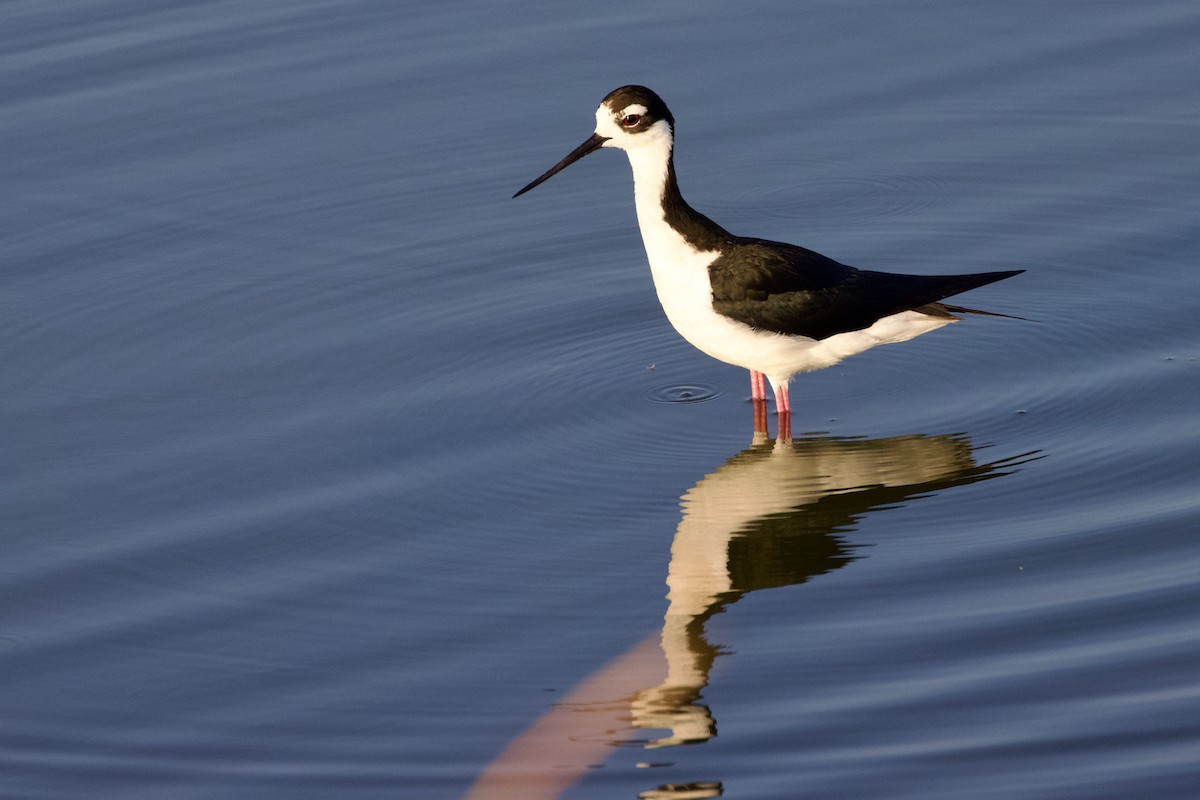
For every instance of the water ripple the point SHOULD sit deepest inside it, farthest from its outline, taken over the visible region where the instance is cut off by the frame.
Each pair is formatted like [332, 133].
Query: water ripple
[682, 393]
[832, 190]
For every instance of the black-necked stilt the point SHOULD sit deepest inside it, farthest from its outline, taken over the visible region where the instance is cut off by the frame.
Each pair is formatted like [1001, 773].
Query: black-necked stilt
[774, 308]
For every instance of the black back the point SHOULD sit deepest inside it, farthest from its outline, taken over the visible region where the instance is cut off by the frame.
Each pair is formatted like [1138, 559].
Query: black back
[779, 287]
[787, 289]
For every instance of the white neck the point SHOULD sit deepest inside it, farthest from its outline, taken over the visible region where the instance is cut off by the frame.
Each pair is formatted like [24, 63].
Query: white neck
[666, 248]
[649, 164]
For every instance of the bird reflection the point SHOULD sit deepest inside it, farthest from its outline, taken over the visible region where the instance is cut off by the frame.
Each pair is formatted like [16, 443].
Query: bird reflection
[773, 515]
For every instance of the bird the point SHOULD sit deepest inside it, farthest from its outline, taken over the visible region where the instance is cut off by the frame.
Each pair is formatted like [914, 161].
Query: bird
[774, 308]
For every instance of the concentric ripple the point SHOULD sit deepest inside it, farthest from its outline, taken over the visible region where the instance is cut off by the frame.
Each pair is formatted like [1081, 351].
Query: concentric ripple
[682, 393]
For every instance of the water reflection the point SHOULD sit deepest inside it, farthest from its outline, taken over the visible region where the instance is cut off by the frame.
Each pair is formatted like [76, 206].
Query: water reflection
[772, 515]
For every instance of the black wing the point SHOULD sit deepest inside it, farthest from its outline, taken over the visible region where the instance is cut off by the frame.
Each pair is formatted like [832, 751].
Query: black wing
[787, 289]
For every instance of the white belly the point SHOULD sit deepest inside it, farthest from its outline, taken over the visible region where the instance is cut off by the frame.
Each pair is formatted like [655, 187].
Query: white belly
[682, 282]
[685, 291]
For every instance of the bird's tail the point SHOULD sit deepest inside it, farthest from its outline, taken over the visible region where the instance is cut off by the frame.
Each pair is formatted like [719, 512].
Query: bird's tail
[964, 310]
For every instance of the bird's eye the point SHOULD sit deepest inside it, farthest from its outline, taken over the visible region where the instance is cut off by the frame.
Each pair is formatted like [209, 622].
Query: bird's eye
[631, 120]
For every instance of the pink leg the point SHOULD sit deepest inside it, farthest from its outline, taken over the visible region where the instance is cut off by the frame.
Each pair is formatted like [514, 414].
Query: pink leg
[758, 386]
[760, 416]
[782, 406]
[783, 411]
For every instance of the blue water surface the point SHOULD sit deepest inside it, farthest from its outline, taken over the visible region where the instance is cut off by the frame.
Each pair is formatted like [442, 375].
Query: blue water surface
[330, 470]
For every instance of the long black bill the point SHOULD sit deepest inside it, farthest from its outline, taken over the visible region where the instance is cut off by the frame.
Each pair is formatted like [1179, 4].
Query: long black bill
[591, 144]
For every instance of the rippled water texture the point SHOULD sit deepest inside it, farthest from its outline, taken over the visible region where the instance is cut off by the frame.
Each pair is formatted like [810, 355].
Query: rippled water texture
[329, 470]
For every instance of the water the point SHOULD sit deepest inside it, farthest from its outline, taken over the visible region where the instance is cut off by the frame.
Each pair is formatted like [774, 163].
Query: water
[328, 470]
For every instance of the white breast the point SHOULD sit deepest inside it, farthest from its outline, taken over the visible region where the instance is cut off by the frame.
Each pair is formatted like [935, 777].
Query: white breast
[682, 282]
